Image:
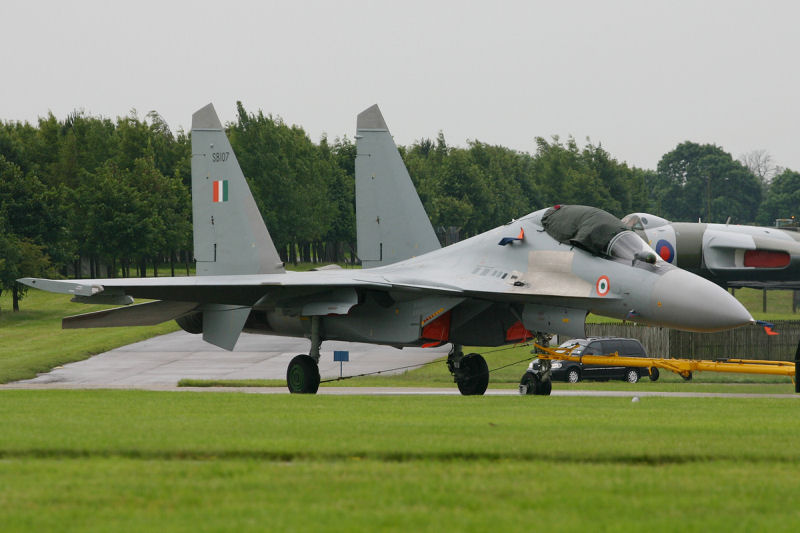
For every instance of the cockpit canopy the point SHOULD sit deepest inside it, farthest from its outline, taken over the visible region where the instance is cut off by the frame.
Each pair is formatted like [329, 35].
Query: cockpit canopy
[643, 221]
[596, 231]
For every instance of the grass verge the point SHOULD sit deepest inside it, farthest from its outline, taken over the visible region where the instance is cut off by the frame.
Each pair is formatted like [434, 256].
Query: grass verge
[128, 460]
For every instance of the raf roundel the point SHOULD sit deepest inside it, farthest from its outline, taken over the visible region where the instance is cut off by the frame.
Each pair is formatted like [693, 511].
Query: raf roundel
[602, 285]
[665, 250]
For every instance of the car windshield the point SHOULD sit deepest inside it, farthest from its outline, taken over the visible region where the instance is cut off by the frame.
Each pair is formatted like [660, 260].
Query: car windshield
[580, 343]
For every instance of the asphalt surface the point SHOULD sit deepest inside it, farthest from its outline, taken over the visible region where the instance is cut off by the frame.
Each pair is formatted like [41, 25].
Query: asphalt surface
[163, 361]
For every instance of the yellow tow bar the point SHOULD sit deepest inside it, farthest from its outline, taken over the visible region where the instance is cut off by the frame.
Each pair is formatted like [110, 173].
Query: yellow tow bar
[683, 367]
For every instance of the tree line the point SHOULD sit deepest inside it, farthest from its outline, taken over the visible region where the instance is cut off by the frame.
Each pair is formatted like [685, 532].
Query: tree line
[114, 197]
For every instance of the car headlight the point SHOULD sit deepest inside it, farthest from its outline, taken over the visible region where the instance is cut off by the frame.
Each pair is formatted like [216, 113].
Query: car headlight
[555, 365]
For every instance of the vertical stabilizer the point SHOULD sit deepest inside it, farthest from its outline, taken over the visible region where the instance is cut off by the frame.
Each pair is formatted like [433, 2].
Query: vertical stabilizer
[229, 234]
[391, 224]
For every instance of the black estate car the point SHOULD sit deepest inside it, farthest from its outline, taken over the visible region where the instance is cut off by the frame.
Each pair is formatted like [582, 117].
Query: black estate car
[572, 371]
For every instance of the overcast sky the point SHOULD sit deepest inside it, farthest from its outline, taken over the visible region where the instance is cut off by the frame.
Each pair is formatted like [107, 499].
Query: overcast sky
[638, 77]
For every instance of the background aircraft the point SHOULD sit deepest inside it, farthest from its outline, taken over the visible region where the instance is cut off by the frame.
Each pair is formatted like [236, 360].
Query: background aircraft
[730, 255]
[542, 273]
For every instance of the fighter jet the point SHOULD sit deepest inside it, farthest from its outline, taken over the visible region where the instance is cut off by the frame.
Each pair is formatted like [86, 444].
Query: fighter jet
[541, 273]
[730, 255]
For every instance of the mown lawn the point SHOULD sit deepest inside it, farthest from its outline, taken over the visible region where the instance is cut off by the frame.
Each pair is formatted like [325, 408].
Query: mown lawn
[130, 461]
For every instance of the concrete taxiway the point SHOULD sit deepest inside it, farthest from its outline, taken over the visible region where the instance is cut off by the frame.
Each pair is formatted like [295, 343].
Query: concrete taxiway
[163, 361]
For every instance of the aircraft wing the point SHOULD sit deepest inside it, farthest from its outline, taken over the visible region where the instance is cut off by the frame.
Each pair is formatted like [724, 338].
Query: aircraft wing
[248, 290]
[230, 290]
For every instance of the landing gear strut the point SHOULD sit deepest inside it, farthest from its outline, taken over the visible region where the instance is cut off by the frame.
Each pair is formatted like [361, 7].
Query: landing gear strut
[538, 381]
[470, 372]
[302, 376]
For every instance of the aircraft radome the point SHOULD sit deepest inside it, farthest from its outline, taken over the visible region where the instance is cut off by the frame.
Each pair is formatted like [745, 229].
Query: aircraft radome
[541, 273]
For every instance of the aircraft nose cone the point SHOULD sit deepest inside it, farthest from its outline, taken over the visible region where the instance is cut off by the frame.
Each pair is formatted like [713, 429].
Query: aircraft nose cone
[685, 301]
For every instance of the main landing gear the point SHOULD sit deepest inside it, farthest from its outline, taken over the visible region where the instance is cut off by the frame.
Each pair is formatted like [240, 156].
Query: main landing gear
[470, 372]
[302, 376]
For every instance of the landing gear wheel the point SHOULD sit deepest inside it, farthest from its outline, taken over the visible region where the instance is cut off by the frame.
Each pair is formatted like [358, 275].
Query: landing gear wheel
[687, 377]
[302, 376]
[535, 385]
[527, 383]
[573, 375]
[631, 375]
[473, 375]
[654, 374]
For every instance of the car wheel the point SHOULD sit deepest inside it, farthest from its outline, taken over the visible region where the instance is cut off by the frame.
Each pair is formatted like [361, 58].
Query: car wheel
[573, 376]
[654, 374]
[632, 375]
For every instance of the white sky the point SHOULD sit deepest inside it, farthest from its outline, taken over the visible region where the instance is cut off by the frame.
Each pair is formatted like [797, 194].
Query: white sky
[637, 76]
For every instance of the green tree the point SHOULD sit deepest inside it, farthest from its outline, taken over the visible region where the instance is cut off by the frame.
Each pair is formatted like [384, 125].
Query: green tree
[109, 217]
[782, 198]
[19, 258]
[34, 212]
[289, 178]
[704, 182]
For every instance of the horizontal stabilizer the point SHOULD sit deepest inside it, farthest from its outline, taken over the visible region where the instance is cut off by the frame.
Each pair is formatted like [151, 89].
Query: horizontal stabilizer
[222, 324]
[146, 314]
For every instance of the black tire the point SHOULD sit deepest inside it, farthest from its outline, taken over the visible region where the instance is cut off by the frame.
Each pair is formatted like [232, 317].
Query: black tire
[687, 378]
[529, 380]
[654, 374]
[473, 375]
[302, 375]
[631, 375]
[573, 375]
[536, 386]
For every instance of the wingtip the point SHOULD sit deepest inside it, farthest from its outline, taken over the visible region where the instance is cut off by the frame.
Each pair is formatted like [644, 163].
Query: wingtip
[371, 119]
[206, 118]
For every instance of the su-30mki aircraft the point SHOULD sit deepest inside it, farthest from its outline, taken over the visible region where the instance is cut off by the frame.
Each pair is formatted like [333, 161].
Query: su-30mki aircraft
[540, 274]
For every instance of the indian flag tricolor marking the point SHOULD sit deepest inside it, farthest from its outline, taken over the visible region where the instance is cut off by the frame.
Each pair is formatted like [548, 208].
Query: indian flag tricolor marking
[220, 191]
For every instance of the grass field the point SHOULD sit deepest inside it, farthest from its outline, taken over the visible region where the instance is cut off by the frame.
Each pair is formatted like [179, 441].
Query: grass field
[129, 461]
